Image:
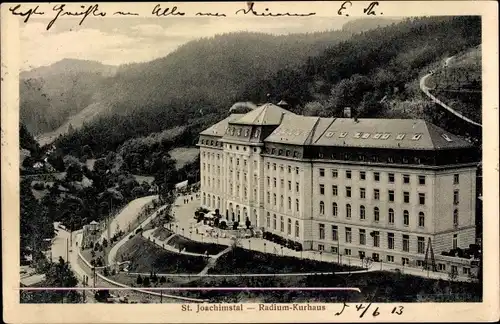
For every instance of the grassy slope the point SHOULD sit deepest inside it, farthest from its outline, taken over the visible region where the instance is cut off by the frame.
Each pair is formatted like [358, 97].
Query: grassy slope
[146, 256]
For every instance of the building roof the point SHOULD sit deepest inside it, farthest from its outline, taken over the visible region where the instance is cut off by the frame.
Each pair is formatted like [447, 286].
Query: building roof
[413, 134]
[267, 114]
[219, 129]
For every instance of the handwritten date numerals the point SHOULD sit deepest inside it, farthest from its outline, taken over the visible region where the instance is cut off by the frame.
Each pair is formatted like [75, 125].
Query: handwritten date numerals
[397, 310]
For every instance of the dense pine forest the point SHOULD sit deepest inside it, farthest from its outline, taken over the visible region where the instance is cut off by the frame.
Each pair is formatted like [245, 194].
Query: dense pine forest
[358, 72]
[150, 108]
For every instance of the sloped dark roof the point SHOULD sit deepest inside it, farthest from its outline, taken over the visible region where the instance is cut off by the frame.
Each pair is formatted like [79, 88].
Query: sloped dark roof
[219, 129]
[267, 114]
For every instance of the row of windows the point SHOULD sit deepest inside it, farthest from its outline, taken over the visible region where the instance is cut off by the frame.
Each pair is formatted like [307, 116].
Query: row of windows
[375, 238]
[297, 205]
[282, 152]
[376, 194]
[282, 224]
[282, 183]
[376, 214]
[282, 167]
[376, 176]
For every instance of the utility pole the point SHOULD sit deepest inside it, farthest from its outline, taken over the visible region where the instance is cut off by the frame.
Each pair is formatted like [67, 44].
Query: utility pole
[67, 251]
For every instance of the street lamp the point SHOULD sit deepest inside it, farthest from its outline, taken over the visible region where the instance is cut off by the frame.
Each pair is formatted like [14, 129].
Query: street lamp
[183, 231]
[190, 232]
[249, 244]
[281, 251]
[177, 229]
[320, 255]
[201, 237]
[264, 247]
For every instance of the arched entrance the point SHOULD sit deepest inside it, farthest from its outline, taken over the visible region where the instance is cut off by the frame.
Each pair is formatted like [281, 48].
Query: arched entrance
[238, 215]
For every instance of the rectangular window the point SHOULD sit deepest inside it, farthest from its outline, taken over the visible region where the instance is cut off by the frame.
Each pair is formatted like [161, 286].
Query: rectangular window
[296, 170]
[421, 245]
[335, 190]
[362, 237]
[348, 233]
[321, 247]
[391, 177]
[268, 165]
[421, 198]
[456, 179]
[390, 258]
[405, 261]
[334, 250]
[376, 176]
[454, 269]
[268, 181]
[268, 198]
[347, 251]
[282, 183]
[466, 271]
[390, 241]
[362, 193]
[376, 194]
[321, 172]
[406, 197]
[455, 197]
[289, 185]
[406, 178]
[421, 180]
[406, 243]
[348, 174]
[274, 166]
[321, 231]
[362, 175]
[348, 191]
[335, 173]
[289, 169]
[376, 238]
[274, 182]
[297, 205]
[441, 267]
[274, 199]
[321, 189]
[391, 195]
[335, 233]
[297, 187]
[455, 241]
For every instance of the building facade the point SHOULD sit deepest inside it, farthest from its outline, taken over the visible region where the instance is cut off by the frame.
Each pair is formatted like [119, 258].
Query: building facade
[389, 189]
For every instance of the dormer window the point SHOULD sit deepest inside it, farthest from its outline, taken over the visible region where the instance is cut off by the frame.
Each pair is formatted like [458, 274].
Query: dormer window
[257, 133]
[416, 137]
[329, 134]
[365, 135]
[400, 137]
[247, 132]
[386, 136]
[357, 135]
[343, 134]
[239, 132]
[377, 135]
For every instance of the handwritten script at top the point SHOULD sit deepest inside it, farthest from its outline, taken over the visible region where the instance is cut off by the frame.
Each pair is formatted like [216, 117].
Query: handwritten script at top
[85, 11]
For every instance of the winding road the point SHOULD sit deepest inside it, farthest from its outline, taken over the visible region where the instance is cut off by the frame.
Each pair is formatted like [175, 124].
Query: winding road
[426, 89]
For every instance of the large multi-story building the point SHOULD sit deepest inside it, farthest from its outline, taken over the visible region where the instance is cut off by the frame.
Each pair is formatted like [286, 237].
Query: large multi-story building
[383, 188]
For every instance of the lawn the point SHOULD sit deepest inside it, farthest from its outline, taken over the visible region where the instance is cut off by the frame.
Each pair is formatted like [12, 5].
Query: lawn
[184, 155]
[245, 261]
[181, 243]
[161, 233]
[377, 286]
[145, 256]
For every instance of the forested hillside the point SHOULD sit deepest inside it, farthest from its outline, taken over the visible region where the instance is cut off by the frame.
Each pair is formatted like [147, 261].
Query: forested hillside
[360, 72]
[49, 95]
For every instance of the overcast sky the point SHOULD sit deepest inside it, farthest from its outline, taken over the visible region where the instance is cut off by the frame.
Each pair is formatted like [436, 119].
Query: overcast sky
[117, 40]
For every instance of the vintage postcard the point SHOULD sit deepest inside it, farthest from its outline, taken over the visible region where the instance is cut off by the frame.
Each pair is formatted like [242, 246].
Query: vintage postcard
[257, 162]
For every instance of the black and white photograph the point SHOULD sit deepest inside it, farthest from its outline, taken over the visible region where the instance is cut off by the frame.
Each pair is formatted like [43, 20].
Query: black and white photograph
[277, 158]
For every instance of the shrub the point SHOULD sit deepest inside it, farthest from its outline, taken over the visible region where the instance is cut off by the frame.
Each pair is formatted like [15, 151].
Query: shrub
[113, 272]
[105, 272]
[131, 236]
[163, 279]
[139, 280]
[145, 282]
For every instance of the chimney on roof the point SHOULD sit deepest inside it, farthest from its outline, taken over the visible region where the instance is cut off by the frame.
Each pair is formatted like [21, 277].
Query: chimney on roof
[347, 112]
